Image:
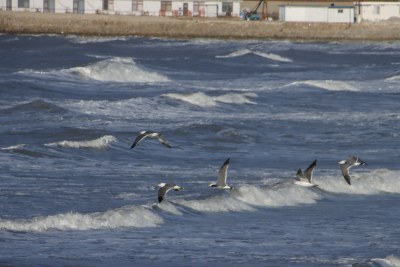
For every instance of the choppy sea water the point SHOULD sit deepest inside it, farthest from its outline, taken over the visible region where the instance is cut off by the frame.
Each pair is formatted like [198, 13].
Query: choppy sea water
[72, 193]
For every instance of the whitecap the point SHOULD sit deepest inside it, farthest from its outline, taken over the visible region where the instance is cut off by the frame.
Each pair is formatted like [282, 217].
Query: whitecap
[277, 196]
[118, 70]
[16, 147]
[329, 85]
[128, 216]
[216, 204]
[203, 100]
[237, 53]
[272, 56]
[101, 142]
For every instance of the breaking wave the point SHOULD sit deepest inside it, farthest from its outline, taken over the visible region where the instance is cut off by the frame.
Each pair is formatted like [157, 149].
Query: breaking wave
[16, 147]
[329, 85]
[203, 100]
[128, 216]
[101, 142]
[245, 51]
[367, 183]
[118, 70]
[390, 261]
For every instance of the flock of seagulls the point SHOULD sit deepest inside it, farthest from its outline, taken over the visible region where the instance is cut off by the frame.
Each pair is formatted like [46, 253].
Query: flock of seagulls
[302, 178]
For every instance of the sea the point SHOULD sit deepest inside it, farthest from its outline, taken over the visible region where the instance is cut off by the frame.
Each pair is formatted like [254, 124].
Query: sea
[73, 193]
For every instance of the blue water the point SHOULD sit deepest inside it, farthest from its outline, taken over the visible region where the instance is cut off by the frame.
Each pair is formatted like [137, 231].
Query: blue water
[72, 193]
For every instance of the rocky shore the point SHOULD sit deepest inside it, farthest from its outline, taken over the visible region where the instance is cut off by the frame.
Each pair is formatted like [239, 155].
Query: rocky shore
[173, 27]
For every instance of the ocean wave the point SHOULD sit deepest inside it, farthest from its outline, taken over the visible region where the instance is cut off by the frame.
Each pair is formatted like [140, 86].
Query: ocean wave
[15, 147]
[245, 51]
[118, 70]
[33, 106]
[221, 203]
[277, 196]
[101, 142]
[329, 85]
[128, 216]
[203, 100]
[365, 183]
[390, 261]
[93, 39]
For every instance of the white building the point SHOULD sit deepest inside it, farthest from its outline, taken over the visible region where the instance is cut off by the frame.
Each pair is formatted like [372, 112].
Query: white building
[332, 14]
[376, 11]
[188, 8]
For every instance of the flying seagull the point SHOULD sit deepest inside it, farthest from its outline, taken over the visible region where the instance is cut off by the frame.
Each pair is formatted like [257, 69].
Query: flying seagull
[345, 165]
[143, 134]
[305, 179]
[164, 188]
[222, 175]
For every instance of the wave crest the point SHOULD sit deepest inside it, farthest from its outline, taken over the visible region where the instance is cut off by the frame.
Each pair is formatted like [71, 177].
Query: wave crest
[245, 51]
[129, 216]
[329, 85]
[118, 70]
[101, 142]
[202, 100]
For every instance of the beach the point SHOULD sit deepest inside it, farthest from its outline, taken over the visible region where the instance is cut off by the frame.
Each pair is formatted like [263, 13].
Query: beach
[182, 27]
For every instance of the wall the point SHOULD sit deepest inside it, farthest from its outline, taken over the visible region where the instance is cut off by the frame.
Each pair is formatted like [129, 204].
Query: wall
[273, 5]
[387, 10]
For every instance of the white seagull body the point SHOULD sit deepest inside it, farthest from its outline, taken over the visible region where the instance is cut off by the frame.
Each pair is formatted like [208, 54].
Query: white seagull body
[345, 166]
[164, 188]
[305, 179]
[222, 176]
[143, 134]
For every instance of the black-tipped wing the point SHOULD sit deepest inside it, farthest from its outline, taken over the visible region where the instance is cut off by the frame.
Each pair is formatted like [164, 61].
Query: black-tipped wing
[309, 171]
[345, 171]
[139, 138]
[299, 175]
[162, 141]
[163, 191]
[222, 173]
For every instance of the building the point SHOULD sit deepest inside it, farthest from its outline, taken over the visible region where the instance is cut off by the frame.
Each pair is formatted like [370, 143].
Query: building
[199, 8]
[330, 14]
[376, 11]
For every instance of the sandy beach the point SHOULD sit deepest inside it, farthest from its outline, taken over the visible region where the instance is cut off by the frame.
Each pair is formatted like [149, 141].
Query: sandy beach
[173, 27]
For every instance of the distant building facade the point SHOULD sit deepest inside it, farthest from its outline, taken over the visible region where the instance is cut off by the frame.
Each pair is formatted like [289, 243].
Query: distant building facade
[330, 14]
[214, 8]
[377, 11]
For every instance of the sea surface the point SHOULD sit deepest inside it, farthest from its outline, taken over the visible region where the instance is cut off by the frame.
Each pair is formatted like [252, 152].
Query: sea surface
[73, 193]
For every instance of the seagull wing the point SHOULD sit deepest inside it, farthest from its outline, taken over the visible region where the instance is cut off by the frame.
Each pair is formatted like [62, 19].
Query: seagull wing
[140, 137]
[299, 175]
[222, 173]
[309, 171]
[345, 171]
[162, 141]
[163, 191]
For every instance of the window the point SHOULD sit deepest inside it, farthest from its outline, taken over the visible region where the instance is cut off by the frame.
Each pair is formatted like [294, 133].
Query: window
[377, 10]
[23, 3]
[198, 6]
[340, 11]
[166, 6]
[137, 5]
[105, 4]
[227, 7]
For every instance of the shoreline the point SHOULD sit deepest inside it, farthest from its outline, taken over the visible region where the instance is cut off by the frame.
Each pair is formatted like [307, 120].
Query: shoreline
[186, 28]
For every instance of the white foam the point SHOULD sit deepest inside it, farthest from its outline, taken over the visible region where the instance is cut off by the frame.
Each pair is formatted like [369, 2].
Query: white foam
[118, 70]
[237, 53]
[330, 85]
[245, 51]
[367, 183]
[217, 204]
[277, 196]
[203, 100]
[16, 147]
[167, 206]
[91, 39]
[273, 57]
[128, 216]
[99, 143]
[390, 261]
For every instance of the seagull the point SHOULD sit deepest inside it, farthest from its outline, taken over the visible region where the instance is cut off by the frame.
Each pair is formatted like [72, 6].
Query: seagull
[164, 188]
[305, 179]
[222, 175]
[345, 165]
[143, 134]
